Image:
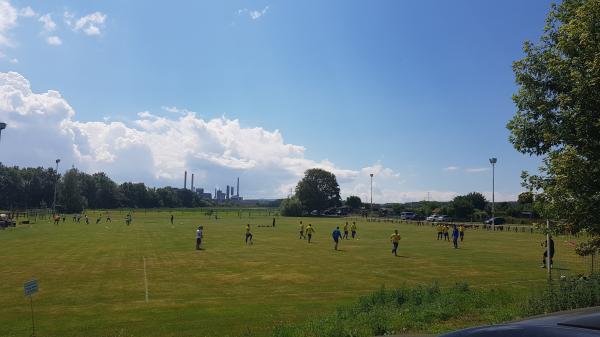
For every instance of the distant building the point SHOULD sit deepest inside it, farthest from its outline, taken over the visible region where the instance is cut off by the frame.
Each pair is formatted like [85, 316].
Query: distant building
[202, 194]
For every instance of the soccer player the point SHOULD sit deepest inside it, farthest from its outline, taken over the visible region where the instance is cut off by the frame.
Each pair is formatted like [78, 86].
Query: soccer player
[395, 238]
[56, 218]
[301, 228]
[345, 231]
[199, 237]
[548, 250]
[273, 222]
[171, 219]
[353, 229]
[440, 232]
[87, 220]
[108, 219]
[248, 234]
[461, 232]
[98, 220]
[309, 232]
[446, 229]
[455, 236]
[128, 219]
[336, 236]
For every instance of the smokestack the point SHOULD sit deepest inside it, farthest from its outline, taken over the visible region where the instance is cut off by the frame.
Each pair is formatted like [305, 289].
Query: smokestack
[192, 186]
[237, 189]
[185, 180]
[227, 191]
[232, 191]
[215, 193]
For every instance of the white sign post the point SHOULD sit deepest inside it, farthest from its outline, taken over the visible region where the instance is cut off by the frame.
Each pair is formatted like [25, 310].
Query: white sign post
[31, 287]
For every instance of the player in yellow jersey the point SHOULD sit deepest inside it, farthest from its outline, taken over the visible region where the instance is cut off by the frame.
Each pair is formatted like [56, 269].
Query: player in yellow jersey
[353, 229]
[345, 231]
[395, 238]
[461, 231]
[301, 229]
[446, 229]
[248, 234]
[309, 232]
[440, 232]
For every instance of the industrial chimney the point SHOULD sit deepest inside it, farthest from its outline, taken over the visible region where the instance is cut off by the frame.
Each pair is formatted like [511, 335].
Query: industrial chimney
[237, 188]
[192, 186]
[185, 180]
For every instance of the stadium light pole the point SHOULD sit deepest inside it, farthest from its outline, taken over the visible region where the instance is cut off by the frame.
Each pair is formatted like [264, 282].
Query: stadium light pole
[493, 161]
[55, 184]
[2, 127]
[371, 192]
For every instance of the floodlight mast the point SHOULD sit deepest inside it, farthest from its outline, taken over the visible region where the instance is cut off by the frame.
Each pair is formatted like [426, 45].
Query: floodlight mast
[371, 192]
[55, 184]
[493, 161]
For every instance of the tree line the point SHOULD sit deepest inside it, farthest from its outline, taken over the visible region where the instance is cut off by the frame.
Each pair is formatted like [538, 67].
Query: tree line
[26, 188]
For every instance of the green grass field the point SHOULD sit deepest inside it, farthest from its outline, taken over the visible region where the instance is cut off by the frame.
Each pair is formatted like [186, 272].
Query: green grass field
[92, 281]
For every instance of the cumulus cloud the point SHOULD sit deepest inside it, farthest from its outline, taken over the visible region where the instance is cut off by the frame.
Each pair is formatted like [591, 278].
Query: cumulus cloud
[156, 149]
[8, 20]
[54, 40]
[253, 13]
[27, 12]
[47, 23]
[91, 24]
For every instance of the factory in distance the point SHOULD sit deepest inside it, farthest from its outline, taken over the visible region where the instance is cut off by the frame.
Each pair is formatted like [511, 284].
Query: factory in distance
[230, 194]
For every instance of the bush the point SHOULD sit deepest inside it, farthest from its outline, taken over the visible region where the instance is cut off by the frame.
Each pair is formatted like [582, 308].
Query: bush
[291, 207]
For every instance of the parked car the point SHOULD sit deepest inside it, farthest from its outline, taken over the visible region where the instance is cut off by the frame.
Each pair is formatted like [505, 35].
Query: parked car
[573, 323]
[431, 217]
[408, 215]
[5, 221]
[496, 221]
[443, 218]
[314, 213]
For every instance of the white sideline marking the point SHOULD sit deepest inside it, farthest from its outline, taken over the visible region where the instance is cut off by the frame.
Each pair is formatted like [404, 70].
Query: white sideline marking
[145, 279]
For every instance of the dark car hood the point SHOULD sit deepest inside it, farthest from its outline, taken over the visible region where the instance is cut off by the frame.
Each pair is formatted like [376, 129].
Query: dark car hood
[574, 323]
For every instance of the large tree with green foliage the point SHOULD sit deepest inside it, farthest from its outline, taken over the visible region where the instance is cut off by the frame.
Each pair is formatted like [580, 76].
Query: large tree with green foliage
[318, 190]
[71, 198]
[353, 202]
[558, 114]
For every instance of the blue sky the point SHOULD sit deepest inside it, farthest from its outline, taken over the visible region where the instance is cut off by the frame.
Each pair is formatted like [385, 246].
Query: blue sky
[421, 89]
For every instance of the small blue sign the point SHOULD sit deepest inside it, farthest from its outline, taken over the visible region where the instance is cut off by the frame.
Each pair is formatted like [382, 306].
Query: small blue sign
[30, 287]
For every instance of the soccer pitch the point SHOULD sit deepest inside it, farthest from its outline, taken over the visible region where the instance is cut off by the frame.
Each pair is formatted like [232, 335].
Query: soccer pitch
[92, 280]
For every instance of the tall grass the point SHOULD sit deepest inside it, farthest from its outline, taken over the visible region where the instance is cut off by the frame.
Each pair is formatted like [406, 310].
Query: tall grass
[568, 293]
[391, 311]
[433, 309]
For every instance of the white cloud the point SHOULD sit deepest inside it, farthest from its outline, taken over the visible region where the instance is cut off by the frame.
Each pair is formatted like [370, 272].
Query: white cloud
[156, 150]
[253, 13]
[91, 24]
[8, 20]
[27, 12]
[54, 40]
[48, 24]
[477, 169]
[175, 110]
[451, 168]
